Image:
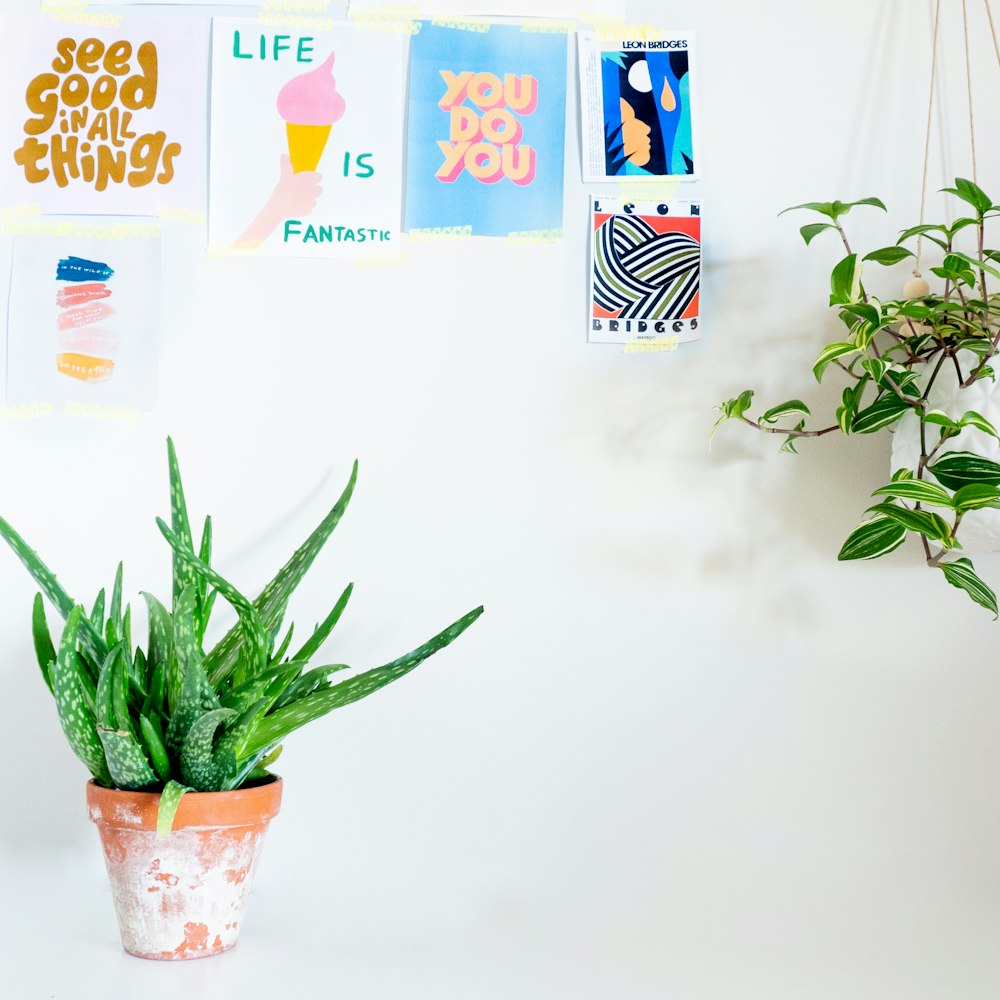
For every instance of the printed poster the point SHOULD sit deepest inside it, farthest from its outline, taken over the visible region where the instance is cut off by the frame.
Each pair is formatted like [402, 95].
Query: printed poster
[103, 120]
[83, 315]
[486, 130]
[307, 139]
[636, 108]
[645, 271]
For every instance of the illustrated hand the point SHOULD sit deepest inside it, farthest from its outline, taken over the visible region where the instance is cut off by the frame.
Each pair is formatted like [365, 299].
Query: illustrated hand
[294, 196]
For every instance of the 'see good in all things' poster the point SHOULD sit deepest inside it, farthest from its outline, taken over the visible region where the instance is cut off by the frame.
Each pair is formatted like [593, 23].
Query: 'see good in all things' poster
[103, 120]
[636, 107]
[645, 271]
[307, 139]
[486, 130]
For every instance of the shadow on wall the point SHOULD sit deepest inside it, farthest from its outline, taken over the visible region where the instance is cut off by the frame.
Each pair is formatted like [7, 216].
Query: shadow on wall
[736, 513]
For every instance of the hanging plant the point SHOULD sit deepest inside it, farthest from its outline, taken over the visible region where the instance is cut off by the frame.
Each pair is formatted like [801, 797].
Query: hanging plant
[897, 358]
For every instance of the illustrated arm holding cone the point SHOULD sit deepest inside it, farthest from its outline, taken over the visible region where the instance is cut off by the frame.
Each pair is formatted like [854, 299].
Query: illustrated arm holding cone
[309, 104]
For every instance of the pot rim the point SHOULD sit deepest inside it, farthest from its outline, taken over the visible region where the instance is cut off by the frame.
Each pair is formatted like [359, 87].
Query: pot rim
[249, 806]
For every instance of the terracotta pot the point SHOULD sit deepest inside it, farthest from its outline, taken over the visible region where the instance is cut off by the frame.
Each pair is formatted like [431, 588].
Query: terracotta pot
[182, 897]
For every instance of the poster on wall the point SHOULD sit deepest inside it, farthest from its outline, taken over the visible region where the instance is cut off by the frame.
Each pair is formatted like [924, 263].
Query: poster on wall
[307, 139]
[103, 120]
[636, 108]
[83, 316]
[486, 130]
[645, 272]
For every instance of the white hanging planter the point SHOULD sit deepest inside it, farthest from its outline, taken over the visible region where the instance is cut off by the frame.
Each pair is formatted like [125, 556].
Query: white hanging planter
[980, 531]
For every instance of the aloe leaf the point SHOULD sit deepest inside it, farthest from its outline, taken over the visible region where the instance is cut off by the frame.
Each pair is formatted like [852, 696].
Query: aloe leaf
[183, 573]
[170, 799]
[308, 684]
[51, 587]
[115, 608]
[75, 716]
[97, 614]
[274, 680]
[44, 650]
[127, 761]
[322, 632]
[155, 694]
[88, 687]
[205, 555]
[161, 644]
[254, 632]
[278, 654]
[198, 768]
[196, 695]
[230, 747]
[221, 662]
[281, 722]
[126, 635]
[152, 736]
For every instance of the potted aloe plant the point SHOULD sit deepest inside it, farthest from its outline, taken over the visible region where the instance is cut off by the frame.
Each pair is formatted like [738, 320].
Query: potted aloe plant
[918, 366]
[179, 741]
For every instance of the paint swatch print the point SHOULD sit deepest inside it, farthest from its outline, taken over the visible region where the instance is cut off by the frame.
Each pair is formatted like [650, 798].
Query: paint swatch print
[646, 271]
[486, 130]
[637, 108]
[86, 350]
[83, 318]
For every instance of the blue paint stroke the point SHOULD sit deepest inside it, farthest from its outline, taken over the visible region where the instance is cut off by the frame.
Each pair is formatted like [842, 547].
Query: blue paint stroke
[81, 269]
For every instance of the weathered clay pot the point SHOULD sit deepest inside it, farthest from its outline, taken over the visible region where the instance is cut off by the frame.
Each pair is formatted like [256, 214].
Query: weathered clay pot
[182, 897]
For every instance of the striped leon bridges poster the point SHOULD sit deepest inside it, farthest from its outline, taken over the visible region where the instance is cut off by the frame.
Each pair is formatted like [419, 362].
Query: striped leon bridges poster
[645, 271]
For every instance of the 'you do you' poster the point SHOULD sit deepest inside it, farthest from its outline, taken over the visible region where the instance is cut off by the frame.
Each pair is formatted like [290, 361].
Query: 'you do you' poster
[306, 148]
[486, 130]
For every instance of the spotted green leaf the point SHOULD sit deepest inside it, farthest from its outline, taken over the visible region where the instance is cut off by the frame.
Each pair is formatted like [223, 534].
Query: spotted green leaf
[126, 759]
[75, 716]
[322, 632]
[170, 799]
[198, 769]
[44, 650]
[221, 662]
[183, 573]
[277, 725]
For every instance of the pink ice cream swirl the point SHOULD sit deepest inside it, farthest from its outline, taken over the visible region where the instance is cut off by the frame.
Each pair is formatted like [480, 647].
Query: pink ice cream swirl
[311, 98]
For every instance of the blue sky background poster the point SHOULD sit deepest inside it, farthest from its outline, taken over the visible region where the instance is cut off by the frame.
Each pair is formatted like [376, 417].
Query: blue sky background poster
[486, 132]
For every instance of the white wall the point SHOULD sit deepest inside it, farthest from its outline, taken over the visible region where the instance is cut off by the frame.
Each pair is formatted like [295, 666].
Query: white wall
[685, 753]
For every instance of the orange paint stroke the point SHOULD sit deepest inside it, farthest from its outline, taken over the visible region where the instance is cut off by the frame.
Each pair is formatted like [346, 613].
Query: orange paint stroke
[74, 295]
[93, 340]
[84, 315]
[84, 367]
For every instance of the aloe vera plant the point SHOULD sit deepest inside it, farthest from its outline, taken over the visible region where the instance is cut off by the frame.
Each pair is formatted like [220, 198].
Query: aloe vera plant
[172, 717]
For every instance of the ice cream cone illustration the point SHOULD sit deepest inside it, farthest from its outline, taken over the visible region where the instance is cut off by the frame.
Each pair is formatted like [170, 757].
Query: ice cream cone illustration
[310, 104]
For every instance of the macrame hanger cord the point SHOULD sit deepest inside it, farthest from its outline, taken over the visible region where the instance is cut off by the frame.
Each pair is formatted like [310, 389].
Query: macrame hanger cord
[927, 138]
[968, 82]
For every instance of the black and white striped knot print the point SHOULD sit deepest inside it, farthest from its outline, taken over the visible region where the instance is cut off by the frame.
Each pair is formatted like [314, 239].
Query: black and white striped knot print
[645, 274]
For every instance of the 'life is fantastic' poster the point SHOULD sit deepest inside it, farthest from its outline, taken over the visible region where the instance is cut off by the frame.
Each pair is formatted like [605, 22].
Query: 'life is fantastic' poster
[486, 130]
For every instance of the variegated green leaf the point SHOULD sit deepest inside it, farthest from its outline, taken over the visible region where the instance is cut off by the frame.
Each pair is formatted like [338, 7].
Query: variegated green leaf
[170, 799]
[198, 769]
[278, 724]
[221, 662]
[115, 609]
[874, 538]
[918, 491]
[962, 574]
[75, 716]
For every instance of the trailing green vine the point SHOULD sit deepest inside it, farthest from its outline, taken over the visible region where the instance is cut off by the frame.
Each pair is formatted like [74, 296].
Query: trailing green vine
[891, 358]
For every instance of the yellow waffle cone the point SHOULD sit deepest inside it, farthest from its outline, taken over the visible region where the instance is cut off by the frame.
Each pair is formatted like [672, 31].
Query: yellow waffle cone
[305, 145]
